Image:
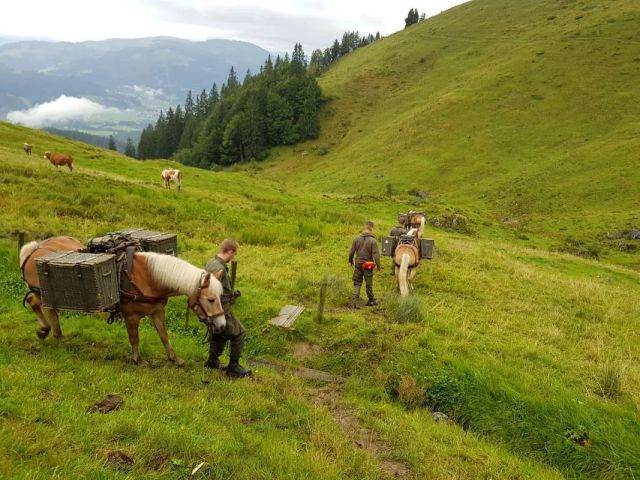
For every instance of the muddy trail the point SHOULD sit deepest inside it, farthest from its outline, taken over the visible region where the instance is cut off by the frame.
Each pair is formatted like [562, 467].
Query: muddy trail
[329, 395]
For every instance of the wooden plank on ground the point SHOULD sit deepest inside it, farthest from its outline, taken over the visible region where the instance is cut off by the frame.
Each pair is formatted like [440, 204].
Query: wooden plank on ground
[288, 314]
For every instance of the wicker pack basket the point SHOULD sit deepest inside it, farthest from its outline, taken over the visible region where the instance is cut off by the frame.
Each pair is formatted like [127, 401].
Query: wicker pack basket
[159, 242]
[83, 282]
[149, 241]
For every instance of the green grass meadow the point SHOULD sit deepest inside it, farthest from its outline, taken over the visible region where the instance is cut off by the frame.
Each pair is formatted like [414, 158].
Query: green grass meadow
[523, 329]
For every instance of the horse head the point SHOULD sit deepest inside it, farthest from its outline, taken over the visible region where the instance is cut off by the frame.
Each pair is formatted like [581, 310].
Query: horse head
[206, 303]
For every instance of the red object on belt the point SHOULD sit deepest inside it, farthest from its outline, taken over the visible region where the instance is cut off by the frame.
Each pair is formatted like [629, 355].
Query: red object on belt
[368, 265]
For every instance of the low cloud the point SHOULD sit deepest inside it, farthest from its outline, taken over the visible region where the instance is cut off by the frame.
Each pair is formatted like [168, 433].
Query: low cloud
[59, 111]
[148, 93]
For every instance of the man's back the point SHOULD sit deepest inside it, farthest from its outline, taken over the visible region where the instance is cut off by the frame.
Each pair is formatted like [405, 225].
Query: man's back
[365, 249]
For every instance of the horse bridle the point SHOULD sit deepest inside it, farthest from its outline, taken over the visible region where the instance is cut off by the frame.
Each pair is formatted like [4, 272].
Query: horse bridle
[202, 314]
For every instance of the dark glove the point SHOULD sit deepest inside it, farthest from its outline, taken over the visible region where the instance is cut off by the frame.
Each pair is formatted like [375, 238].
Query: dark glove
[236, 294]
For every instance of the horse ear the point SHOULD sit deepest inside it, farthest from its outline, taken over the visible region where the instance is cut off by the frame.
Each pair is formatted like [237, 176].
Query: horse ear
[205, 281]
[218, 274]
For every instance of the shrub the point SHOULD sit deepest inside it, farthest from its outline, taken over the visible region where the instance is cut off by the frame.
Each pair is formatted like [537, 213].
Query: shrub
[409, 393]
[581, 249]
[323, 150]
[445, 395]
[454, 222]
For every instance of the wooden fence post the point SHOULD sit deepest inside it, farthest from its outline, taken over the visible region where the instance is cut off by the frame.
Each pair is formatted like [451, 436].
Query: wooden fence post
[20, 239]
[323, 299]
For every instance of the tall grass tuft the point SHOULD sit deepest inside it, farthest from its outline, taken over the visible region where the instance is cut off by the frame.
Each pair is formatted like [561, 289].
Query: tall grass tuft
[406, 310]
[260, 235]
[609, 380]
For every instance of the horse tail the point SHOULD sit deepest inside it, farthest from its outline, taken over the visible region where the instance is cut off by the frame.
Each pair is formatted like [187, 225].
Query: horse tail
[26, 251]
[403, 274]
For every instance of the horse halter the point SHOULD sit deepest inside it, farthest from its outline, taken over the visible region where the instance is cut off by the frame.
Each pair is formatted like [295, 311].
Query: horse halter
[197, 306]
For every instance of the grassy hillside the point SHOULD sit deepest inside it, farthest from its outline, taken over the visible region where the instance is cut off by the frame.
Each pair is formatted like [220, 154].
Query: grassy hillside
[516, 117]
[514, 344]
[524, 113]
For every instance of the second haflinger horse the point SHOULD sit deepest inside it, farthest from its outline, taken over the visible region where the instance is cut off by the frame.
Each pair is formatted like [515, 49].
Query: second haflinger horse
[407, 255]
[407, 247]
[153, 277]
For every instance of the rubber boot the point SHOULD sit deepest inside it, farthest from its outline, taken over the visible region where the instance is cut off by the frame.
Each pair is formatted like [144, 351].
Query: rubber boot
[216, 347]
[235, 369]
[356, 296]
[372, 302]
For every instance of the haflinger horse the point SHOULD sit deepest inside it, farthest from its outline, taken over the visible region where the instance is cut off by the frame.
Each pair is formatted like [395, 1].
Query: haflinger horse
[406, 257]
[153, 276]
[27, 148]
[171, 174]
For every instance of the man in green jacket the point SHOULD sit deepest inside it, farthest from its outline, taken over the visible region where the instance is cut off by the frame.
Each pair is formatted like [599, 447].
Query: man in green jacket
[233, 332]
[363, 257]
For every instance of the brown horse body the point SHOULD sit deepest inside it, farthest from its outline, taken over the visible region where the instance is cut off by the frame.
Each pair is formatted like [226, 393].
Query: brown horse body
[150, 275]
[406, 257]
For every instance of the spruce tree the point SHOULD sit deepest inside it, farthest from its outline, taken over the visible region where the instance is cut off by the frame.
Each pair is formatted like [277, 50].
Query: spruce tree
[412, 18]
[298, 60]
[189, 106]
[232, 82]
[112, 143]
[130, 149]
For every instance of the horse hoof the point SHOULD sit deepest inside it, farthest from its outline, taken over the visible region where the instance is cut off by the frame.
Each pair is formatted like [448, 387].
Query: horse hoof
[139, 362]
[43, 333]
[178, 362]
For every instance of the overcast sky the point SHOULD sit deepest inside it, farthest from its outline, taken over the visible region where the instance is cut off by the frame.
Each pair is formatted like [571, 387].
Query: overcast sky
[274, 25]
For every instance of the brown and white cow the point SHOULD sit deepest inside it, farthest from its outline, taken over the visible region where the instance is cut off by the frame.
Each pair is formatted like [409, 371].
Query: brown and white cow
[27, 148]
[59, 159]
[171, 174]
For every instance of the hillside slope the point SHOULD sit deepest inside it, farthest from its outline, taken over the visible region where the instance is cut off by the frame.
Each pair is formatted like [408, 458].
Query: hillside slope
[525, 113]
[516, 345]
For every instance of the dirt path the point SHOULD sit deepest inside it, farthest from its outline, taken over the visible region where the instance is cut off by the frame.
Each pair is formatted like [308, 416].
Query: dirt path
[329, 397]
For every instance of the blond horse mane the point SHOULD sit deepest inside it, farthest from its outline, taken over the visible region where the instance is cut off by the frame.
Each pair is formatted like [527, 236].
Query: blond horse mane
[27, 250]
[178, 275]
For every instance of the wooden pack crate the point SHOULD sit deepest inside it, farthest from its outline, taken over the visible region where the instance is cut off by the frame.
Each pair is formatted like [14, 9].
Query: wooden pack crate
[389, 246]
[84, 282]
[426, 248]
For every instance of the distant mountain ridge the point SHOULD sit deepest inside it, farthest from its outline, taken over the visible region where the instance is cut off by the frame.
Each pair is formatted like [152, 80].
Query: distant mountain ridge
[143, 74]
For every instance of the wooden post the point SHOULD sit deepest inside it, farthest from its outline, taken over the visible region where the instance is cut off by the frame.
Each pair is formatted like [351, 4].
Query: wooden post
[323, 298]
[20, 239]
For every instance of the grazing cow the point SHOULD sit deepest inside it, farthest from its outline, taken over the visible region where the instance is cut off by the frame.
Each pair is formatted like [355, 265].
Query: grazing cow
[59, 159]
[27, 148]
[171, 174]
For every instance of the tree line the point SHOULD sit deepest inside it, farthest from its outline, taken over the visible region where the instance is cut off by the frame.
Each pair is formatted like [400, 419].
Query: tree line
[129, 148]
[239, 121]
[414, 17]
[351, 41]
